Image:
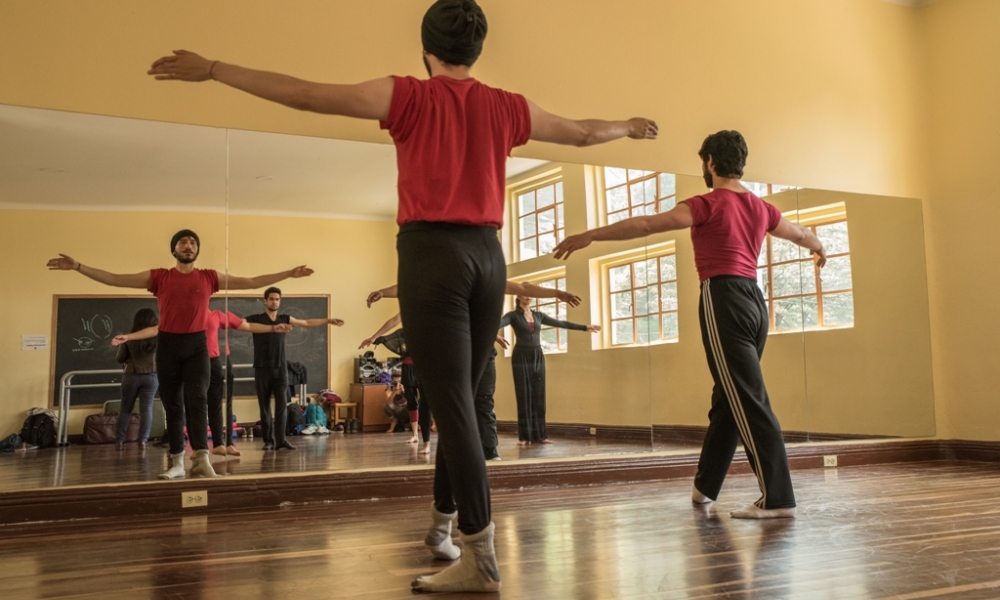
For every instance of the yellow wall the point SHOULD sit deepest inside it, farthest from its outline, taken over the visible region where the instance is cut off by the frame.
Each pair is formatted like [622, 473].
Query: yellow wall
[133, 241]
[856, 95]
[962, 53]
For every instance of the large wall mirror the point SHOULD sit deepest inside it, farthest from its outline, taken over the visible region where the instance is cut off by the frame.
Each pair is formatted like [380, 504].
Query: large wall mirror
[848, 355]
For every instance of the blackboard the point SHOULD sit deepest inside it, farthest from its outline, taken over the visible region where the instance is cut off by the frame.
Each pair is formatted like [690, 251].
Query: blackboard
[84, 325]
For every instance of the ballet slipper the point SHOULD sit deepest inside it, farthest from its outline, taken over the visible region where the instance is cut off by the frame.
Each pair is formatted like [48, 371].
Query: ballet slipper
[699, 498]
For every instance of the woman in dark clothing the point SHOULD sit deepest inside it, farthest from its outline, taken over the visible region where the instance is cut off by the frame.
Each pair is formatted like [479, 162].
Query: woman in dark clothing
[139, 379]
[528, 363]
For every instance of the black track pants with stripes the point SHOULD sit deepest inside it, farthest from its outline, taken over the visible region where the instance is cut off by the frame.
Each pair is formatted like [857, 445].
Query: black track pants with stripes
[734, 324]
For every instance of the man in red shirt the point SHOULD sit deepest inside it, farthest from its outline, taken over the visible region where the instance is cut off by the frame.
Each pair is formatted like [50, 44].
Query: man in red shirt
[727, 229]
[452, 135]
[182, 362]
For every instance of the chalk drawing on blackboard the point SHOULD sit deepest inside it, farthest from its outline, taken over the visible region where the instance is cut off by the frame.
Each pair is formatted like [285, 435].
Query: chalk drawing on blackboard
[99, 325]
[83, 343]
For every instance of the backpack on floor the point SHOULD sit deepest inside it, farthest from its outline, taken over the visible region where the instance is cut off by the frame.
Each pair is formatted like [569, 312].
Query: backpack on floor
[295, 421]
[39, 430]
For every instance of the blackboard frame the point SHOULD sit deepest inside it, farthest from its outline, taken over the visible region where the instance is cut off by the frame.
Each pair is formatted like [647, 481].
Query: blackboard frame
[316, 380]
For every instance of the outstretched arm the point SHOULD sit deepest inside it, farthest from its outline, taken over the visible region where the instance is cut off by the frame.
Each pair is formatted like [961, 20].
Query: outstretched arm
[66, 263]
[389, 292]
[261, 328]
[314, 322]
[232, 282]
[142, 334]
[801, 236]
[547, 320]
[368, 100]
[536, 291]
[387, 326]
[629, 229]
[547, 127]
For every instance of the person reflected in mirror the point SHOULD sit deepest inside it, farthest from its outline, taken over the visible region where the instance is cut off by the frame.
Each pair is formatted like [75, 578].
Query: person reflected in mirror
[728, 226]
[486, 419]
[139, 379]
[395, 403]
[452, 135]
[528, 364]
[270, 367]
[219, 384]
[182, 363]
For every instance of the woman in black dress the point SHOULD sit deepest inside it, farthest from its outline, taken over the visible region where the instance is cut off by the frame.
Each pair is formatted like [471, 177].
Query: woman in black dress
[528, 363]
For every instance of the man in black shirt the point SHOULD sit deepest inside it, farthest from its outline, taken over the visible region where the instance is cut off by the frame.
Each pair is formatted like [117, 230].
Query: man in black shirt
[270, 372]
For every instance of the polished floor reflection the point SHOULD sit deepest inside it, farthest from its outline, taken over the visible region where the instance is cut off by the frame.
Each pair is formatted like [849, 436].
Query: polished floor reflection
[83, 464]
[906, 531]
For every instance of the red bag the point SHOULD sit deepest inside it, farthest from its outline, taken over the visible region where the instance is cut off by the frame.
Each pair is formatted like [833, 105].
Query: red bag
[100, 429]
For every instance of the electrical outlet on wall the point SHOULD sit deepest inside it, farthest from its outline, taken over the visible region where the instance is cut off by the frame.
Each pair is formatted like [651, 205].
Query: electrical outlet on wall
[194, 499]
[830, 460]
[593, 431]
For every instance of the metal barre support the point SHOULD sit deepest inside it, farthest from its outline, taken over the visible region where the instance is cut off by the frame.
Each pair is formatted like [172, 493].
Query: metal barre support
[65, 388]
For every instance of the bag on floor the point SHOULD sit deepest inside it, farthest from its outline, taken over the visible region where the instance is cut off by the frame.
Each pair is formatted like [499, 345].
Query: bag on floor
[39, 430]
[9, 443]
[101, 429]
[295, 421]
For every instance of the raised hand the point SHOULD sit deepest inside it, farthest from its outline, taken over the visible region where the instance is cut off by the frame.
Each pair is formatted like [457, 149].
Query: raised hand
[337, 322]
[593, 328]
[819, 256]
[642, 129]
[572, 244]
[503, 342]
[182, 66]
[374, 297]
[64, 263]
[118, 340]
[366, 343]
[569, 298]
[302, 271]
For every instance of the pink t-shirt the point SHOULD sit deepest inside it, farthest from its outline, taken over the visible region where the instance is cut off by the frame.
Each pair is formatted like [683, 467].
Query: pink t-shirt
[728, 230]
[183, 298]
[219, 320]
[452, 141]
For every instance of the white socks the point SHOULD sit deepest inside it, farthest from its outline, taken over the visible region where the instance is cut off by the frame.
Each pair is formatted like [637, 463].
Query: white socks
[176, 470]
[439, 537]
[201, 466]
[699, 498]
[755, 512]
[476, 572]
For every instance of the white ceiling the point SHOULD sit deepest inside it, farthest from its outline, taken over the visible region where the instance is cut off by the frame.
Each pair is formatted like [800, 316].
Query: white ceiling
[58, 160]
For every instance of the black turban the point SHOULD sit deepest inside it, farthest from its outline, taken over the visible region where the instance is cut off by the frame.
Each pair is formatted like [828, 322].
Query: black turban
[183, 233]
[454, 30]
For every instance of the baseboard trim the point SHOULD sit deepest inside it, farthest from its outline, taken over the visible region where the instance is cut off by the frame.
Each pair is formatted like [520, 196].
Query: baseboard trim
[258, 492]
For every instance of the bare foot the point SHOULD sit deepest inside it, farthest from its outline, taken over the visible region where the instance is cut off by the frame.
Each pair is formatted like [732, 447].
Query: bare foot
[546, 441]
[219, 450]
[427, 448]
[390, 430]
[413, 440]
[753, 512]
[232, 451]
[522, 443]
[699, 498]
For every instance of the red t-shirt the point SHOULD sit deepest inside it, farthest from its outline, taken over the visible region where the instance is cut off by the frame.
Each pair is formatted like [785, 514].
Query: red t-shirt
[452, 140]
[219, 320]
[183, 299]
[728, 230]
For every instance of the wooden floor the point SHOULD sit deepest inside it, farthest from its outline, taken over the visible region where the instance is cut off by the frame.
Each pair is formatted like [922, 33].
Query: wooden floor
[909, 531]
[84, 464]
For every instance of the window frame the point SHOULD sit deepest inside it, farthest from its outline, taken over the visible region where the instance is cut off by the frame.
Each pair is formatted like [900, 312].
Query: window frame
[629, 210]
[605, 264]
[550, 179]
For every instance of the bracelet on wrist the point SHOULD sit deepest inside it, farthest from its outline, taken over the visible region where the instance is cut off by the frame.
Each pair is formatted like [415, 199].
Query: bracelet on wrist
[79, 266]
[212, 68]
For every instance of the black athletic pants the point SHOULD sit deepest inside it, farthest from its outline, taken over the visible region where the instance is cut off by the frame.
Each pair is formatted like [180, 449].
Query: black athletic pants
[272, 382]
[222, 433]
[416, 400]
[485, 417]
[528, 365]
[451, 287]
[734, 324]
[183, 369]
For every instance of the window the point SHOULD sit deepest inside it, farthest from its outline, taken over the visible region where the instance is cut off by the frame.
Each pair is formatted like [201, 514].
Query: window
[798, 296]
[553, 338]
[643, 300]
[541, 220]
[766, 189]
[631, 193]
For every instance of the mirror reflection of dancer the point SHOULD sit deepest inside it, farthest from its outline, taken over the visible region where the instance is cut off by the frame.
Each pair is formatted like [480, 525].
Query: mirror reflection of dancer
[270, 370]
[182, 364]
[727, 229]
[486, 418]
[138, 380]
[528, 364]
[222, 436]
[452, 136]
[416, 398]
